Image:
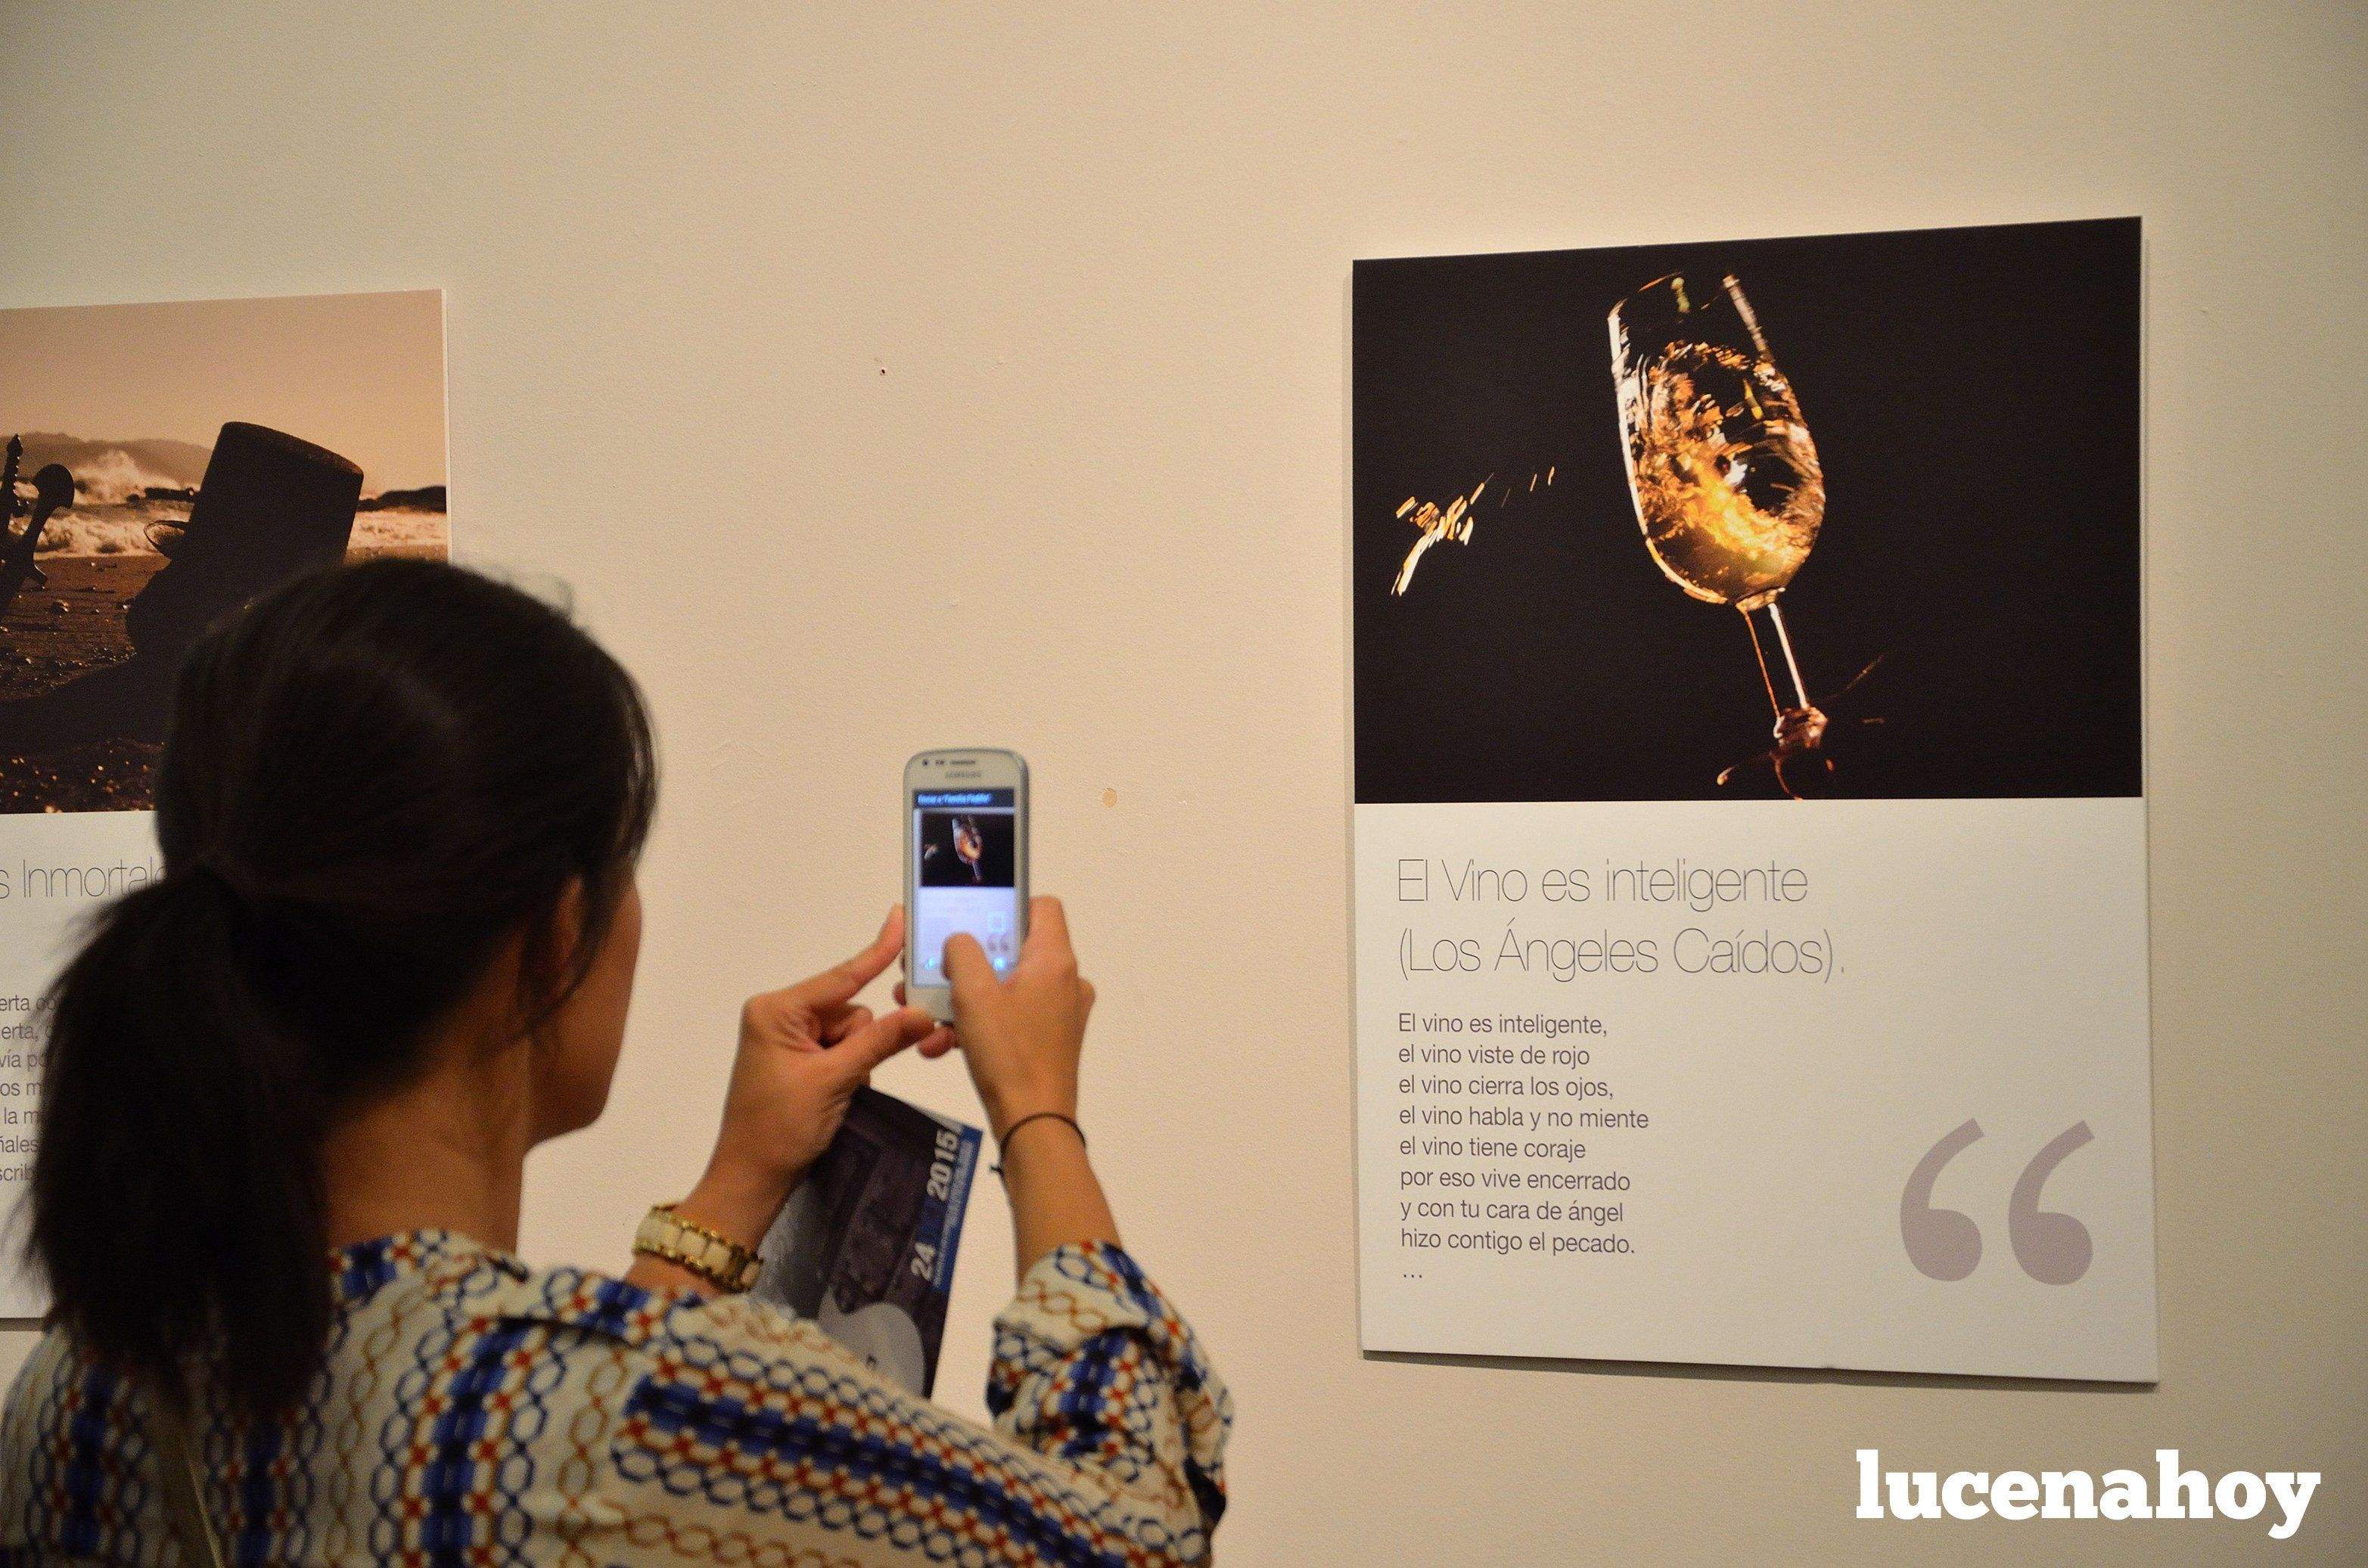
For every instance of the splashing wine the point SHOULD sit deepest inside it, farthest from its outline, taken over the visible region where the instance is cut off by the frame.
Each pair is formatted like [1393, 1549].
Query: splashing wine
[970, 845]
[1724, 474]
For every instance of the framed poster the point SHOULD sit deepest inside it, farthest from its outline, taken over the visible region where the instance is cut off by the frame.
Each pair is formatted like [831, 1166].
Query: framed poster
[160, 465]
[1750, 888]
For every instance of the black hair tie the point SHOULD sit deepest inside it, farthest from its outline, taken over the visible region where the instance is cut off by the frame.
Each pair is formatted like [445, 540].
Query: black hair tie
[1003, 1145]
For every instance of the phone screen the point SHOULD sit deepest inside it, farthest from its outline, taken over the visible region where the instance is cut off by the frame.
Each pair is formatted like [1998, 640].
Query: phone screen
[966, 865]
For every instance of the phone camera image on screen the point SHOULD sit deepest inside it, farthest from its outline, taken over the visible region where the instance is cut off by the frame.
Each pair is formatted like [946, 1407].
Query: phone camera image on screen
[965, 859]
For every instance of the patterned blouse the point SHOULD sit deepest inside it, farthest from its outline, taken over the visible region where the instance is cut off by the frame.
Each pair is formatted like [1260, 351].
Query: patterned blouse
[475, 1411]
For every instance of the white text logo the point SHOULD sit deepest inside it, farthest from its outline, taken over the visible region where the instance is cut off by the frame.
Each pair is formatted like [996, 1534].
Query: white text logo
[2170, 1493]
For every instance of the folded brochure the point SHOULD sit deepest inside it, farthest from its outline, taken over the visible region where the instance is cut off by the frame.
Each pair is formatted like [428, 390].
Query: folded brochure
[866, 1245]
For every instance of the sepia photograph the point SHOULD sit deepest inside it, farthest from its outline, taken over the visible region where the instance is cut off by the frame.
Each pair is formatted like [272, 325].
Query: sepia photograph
[166, 464]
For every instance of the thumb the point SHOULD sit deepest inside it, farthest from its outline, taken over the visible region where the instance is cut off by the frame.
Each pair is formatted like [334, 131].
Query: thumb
[967, 968]
[876, 1041]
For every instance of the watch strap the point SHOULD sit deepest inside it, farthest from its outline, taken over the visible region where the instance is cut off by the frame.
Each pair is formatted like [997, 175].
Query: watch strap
[724, 1263]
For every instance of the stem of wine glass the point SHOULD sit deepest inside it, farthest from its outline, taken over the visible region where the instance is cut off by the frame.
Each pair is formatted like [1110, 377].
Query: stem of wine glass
[1778, 668]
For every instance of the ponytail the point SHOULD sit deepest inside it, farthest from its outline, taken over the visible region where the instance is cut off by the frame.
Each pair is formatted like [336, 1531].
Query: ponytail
[175, 1195]
[376, 777]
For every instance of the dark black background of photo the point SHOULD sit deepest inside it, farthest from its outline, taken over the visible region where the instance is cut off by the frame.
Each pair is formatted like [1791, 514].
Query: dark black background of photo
[997, 862]
[1973, 396]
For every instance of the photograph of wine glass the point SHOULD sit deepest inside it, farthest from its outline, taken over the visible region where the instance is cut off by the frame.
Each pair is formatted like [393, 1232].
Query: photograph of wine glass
[967, 849]
[1841, 517]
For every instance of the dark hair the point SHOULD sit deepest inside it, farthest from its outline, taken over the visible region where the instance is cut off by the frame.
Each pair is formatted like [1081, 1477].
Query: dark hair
[376, 775]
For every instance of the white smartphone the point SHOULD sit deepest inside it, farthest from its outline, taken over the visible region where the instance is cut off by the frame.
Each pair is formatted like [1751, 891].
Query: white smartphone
[966, 864]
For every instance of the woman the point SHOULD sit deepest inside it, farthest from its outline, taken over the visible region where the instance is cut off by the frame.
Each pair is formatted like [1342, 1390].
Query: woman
[290, 1092]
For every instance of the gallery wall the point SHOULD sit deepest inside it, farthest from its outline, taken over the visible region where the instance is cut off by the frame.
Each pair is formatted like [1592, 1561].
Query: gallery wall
[876, 379]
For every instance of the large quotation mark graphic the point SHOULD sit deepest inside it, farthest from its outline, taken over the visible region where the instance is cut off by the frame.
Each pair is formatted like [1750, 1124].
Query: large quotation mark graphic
[1941, 1242]
[2053, 1248]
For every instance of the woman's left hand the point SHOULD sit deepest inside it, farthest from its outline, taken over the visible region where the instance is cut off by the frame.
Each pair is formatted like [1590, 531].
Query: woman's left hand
[804, 1052]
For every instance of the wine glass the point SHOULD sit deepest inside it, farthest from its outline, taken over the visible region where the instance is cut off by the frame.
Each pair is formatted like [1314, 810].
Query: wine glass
[1722, 469]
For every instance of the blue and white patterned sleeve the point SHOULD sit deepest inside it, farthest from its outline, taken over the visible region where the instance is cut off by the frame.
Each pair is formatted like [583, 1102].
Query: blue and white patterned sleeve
[1094, 1369]
[743, 1429]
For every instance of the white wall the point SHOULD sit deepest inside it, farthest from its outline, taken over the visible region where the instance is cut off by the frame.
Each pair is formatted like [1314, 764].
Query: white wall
[784, 335]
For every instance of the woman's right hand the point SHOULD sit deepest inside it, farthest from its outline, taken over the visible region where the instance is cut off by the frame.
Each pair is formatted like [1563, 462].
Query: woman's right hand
[1022, 1037]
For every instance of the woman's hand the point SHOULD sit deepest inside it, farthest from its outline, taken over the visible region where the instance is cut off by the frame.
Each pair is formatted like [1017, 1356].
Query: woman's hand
[804, 1052]
[1022, 1037]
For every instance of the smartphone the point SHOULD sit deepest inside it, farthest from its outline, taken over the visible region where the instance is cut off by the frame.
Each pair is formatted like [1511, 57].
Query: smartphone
[966, 864]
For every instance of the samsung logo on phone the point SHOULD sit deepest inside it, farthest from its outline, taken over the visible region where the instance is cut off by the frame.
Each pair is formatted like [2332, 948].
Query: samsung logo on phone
[961, 797]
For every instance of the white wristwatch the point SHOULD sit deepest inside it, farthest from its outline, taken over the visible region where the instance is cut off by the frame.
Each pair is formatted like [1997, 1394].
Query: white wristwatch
[714, 1257]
